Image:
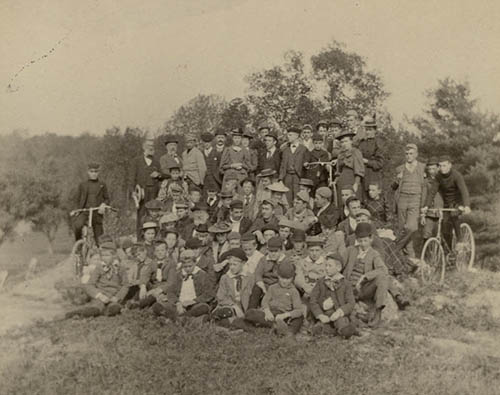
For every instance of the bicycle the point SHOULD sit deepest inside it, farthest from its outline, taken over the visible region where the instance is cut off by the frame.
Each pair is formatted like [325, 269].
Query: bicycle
[331, 181]
[433, 258]
[82, 247]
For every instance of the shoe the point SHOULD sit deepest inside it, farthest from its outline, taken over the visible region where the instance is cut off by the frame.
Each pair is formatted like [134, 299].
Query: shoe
[281, 328]
[402, 302]
[376, 320]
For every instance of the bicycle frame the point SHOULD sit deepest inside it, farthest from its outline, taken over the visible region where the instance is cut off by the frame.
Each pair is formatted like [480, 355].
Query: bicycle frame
[331, 181]
[441, 211]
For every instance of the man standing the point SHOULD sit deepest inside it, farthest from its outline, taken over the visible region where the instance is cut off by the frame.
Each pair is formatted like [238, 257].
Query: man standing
[451, 185]
[144, 175]
[370, 148]
[259, 143]
[170, 156]
[212, 160]
[90, 193]
[292, 163]
[431, 217]
[410, 187]
[270, 156]
[194, 166]
[306, 137]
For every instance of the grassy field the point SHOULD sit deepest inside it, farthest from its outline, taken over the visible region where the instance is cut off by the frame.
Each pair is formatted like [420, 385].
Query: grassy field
[446, 343]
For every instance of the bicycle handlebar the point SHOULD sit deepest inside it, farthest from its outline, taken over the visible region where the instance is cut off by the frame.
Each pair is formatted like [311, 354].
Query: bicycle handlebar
[332, 162]
[82, 210]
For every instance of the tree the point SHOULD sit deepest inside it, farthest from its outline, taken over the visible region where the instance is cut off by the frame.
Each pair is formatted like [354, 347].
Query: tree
[26, 197]
[348, 83]
[280, 93]
[200, 114]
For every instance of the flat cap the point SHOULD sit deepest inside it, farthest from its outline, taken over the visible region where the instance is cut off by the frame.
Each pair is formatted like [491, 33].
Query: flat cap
[202, 228]
[364, 211]
[248, 237]
[294, 129]
[433, 160]
[226, 193]
[94, 166]
[108, 245]
[411, 146]
[267, 227]
[187, 255]
[286, 270]
[444, 158]
[306, 181]
[303, 195]
[236, 203]
[345, 133]
[336, 122]
[315, 241]
[234, 236]
[273, 135]
[268, 201]
[193, 243]
[237, 253]
[286, 223]
[317, 137]
[175, 187]
[324, 192]
[274, 243]
[351, 199]
[307, 127]
[298, 235]
[220, 132]
[200, 206]
[182, 204]
[170, 138]
[321, 122]
[264, 125]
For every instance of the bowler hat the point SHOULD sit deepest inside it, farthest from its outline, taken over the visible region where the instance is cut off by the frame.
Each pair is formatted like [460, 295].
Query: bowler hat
[267, 173]
[237, 132]
[307, 182]
[298, 235]
[202, 228]
[236, 203]
[193, 243]
[274, 243]
[207, 137]
[363, 230]
[345, 133]
[226, 194]
[278, 187]
[171, 139]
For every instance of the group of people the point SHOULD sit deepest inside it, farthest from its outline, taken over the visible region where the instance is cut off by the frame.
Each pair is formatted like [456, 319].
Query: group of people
[259, 232]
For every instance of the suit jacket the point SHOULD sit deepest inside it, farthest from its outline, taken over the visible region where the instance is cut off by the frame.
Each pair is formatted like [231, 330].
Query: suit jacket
[202, 286]
[328, 218]
[249, 208]
[422, 176]
[245, 225]
[294, 161]
[274, 162]
[193, 165]
[342, 296]
[185, 227]
[212, 161]
[82, 194]
[373, 263]
[164, 161]
[227, 296]
[140, 174]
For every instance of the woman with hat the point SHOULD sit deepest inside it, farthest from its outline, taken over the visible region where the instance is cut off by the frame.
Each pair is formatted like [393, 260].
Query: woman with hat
[219, 232]
[265, 178]
[278, 195]
[149, 231]
[350, 167]
[235, 159]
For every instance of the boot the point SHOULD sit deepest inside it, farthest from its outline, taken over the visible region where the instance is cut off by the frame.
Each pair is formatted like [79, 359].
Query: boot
[376, 320]
[401, 302]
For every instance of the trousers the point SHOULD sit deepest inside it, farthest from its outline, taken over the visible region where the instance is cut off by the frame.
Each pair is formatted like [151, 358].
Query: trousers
[258, 318]
[375, 290]
[408, 215]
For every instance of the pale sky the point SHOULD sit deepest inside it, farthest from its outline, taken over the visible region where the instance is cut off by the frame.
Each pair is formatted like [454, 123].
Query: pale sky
[131, 62]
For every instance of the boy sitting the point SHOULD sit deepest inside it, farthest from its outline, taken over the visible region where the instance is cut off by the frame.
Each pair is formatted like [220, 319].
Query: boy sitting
[332, 301]
[281, 304]
[266, 273]
[163, 270]
[234, 291]
[366, 270]
[249, 247]
[139, 277]
[378, 206]
[312, 268]
[189, 293]
[107, 286]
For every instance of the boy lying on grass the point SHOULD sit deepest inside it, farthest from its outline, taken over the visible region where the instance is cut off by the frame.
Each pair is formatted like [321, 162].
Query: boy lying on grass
[107, 286]
[282, 308]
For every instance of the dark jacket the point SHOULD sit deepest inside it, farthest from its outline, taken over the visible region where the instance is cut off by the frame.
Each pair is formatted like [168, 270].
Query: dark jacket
[140, 174]
[328, 218]
[274, 162]
[343, 298]
[82, 194]
[294, 162]
[202, 285]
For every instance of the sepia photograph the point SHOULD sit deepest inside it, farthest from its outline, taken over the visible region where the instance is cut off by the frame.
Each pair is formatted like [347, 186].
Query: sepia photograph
[250, 197]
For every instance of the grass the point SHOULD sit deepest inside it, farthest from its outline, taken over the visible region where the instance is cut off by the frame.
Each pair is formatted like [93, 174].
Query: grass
[427, 351]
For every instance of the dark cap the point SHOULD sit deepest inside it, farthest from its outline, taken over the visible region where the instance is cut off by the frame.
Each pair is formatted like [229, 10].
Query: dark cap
[270, 227]
[154, 205]
[193, 243]
[313, 241]
[171, 139]
[307, 182]
[317, 137]
[351, 199]
[200, 206]
[444, 158]
[307, 127]
[286, 270]
[248, 237]
[298, 235]
[345, 133]
[247, 180]
[274, 243]
[207, 137]
[226, 194]
[363, 230]
[236, 203]
[220, 132]
[322, 122]
[273, 135]
[433, 160]
[237, 132]
[294, 129]
[202, 228]
[237, 253]
[248, 134]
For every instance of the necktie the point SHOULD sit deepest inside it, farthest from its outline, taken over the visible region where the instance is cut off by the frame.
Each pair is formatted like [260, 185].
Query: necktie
[268, 154]
[238, 283]
[247, 200]
[188, 276]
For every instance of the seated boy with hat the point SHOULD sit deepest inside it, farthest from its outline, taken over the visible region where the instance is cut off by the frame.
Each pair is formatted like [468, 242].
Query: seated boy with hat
[332, 301]
[185, 224]
[140, 274]
[281, 305]
[233, 293]
[300, 212]
[265, 217]
[312, 267]
[266, 271]
[189, 293]
[249, 246]
[365, 269]
[307, 185]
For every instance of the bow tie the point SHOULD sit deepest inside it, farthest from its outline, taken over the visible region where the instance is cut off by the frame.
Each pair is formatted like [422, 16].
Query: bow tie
[239, 280]
[187, 277]
[149, 156]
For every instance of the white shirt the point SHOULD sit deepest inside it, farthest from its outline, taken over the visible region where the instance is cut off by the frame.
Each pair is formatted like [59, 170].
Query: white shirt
[293, 147]
[187, 289]
[148, 160]
[207, 151]
[353, 223]
[235, 225]
[270, 152]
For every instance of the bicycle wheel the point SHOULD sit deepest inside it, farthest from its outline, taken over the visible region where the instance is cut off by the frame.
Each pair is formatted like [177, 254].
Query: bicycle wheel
[432, 262]
[465, 248]
[79, 254]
